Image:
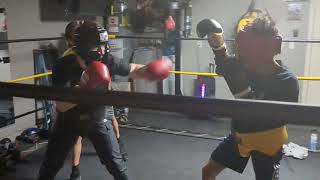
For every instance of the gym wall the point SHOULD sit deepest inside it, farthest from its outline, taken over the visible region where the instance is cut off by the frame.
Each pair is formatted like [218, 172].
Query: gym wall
[310, 89]
[23, 18]
[24, 22]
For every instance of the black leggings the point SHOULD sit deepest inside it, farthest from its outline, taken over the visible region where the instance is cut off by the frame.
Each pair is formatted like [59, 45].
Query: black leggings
[64, 136]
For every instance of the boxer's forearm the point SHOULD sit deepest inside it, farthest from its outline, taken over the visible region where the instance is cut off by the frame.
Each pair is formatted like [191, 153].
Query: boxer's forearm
[64, 106]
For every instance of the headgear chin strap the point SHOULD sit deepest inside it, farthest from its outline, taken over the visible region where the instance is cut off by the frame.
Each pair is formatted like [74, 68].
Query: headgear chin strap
[255, 47]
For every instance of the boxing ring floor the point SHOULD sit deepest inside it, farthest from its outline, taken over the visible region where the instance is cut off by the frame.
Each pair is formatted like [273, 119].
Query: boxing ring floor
[159, 156]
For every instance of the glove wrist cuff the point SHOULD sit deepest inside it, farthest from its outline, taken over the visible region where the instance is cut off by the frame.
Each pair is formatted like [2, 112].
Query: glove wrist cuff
[221, 51]
[223, 46]
[243, 93]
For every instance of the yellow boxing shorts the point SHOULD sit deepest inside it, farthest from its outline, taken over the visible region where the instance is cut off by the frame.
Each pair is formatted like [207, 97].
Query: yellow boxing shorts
[268, 142]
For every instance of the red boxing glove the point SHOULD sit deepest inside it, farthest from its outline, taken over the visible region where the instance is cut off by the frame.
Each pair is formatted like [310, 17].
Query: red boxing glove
[96, 75]
[170, 24]
[159, 69]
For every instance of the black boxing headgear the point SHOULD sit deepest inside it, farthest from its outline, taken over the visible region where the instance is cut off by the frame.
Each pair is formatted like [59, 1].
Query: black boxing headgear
[87, 37]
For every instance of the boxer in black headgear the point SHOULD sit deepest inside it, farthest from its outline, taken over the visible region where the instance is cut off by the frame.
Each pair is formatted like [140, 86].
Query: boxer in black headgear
[74, 120]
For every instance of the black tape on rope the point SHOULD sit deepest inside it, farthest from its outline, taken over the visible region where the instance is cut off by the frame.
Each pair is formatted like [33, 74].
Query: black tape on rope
[149, 37]
[29, 40]
[27, 113]
[264, 111]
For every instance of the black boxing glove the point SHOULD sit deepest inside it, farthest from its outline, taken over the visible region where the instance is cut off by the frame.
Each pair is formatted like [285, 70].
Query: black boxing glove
[228, 66]
[214, 31]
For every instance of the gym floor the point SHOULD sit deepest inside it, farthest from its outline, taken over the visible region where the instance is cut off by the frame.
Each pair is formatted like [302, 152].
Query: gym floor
[161, 156]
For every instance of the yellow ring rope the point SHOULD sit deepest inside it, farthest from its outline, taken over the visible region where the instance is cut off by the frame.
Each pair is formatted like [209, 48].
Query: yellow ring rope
[30, 77]
[194, 73]
[302, 78]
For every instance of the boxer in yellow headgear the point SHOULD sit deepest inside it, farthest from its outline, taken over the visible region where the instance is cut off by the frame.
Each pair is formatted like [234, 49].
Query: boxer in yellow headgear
[254, 74]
